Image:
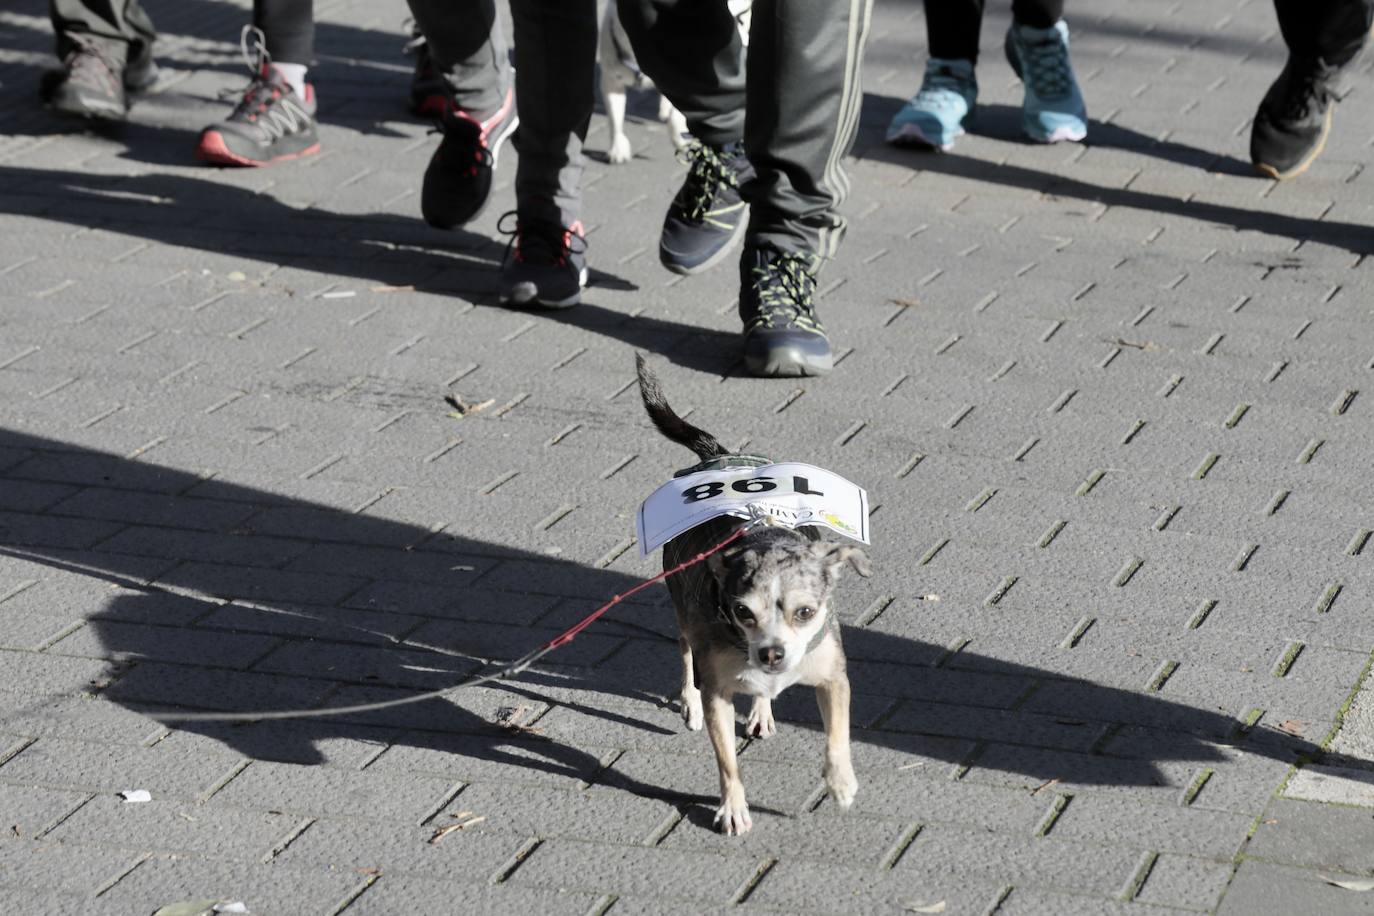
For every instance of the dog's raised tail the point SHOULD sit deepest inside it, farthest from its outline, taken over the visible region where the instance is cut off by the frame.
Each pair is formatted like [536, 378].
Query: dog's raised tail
[668, 422]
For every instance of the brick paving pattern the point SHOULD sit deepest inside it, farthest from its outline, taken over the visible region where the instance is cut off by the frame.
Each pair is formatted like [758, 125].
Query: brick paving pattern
[1112, 403]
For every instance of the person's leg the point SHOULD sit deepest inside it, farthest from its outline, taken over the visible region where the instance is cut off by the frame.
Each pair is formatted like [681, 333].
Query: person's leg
[953, 27]
[466, 44]
[1038, 14]
[935, 116]
[120, 23]
[468, 47]
[555, 77]
[1294, 118]
[106, 48]
[693, 52]
[288, 28]
[804, 97]
[1037, 48]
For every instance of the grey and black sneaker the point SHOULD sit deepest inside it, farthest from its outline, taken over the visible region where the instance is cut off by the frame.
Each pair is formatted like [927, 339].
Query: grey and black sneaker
[545, 265]
[91, 82]
[271, 123]
[458, 179]
[707, 217]
[782, 335]
[1294, 119]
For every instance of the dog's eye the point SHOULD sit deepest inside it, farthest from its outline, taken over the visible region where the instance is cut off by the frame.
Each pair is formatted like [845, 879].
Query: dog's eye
[804, 613]
[744, 615]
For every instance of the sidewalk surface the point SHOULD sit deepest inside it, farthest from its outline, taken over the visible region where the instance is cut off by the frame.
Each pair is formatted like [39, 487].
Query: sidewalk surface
[1113, 403]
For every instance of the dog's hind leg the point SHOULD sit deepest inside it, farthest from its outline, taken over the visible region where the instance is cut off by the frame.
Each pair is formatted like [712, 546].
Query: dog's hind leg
[690, 698]
[732, 816]
[833, 697]
[761, 724]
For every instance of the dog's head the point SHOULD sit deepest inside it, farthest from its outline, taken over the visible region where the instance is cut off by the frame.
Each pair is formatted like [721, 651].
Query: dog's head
[776, 590]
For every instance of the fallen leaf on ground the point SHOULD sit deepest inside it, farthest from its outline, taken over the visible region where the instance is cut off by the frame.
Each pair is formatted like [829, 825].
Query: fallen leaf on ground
[462, 408]
[924, 907]
[235, 907]
[906, 303]
[1147, 345]
[136, 795]
[1291, 726]
[927, 597]
[368, 871]
[1044, 785]
[1271, 820]
[188, 908]
[339, 294]
[1350, 884]
[461, 825]
[237, 276]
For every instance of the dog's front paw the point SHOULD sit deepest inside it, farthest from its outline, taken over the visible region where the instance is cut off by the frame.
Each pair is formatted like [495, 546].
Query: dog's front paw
[732, 817]
[761, 724]
[692, 717]
[620, 152]
[842, 784]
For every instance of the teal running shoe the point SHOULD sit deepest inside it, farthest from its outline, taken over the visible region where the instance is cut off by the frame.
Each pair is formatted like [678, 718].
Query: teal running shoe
[1053, 109]
[935, 116]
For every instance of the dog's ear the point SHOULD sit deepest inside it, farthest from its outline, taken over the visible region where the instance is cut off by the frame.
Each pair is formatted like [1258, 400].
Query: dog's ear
[720, 562]
[836, 555]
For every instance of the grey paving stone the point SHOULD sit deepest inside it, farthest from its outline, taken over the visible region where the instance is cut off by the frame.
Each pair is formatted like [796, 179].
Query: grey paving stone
[1312, 834]
[333, 791]
[471, 855]
[687, 876]
[264, 888]
[1186, 882]
[1262, 887]
[402, 893]
[59, 763]
[169, 826]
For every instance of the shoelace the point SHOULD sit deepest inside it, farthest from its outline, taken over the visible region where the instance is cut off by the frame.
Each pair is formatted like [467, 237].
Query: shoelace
[1047, 69]
[541, 241]
[942, 88]
[707, 173]
[785, 286]
[1307, 92]
[469, 144]
[258, 95]
[88, 64]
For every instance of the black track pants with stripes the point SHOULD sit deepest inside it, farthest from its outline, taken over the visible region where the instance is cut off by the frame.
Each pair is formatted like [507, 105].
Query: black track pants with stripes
[795, 101]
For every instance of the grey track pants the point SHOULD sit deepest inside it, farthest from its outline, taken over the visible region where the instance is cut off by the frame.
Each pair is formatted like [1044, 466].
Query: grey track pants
[796, 108]
[120, 25]
[555, 76]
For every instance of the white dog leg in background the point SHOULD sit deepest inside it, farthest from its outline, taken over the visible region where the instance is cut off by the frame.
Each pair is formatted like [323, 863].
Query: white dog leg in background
[677, 124]
[620, 150]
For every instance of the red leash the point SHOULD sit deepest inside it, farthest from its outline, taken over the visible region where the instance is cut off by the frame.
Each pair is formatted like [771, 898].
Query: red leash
[506, 671]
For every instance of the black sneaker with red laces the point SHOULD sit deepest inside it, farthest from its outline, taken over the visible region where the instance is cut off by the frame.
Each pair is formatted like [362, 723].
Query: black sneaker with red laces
[458, 179]
[546, 263]
[271, 123]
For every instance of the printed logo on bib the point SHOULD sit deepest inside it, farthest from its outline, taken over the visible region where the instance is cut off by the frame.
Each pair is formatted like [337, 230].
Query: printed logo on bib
[793, 494]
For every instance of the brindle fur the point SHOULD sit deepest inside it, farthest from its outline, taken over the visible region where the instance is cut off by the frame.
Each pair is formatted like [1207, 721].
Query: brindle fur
[771, 572]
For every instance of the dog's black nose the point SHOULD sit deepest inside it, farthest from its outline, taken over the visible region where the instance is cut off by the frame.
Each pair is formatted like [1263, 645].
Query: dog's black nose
[771, 655]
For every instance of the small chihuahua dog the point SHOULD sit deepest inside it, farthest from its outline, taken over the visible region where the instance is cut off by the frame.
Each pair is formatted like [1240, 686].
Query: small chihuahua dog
[755, 618]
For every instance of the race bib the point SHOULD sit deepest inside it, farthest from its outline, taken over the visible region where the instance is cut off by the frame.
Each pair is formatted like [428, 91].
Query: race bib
[793, 494]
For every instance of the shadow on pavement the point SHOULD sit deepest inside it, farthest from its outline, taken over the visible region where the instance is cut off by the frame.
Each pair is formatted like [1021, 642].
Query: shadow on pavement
[1000, 121]
[378, 248]
[236, 599]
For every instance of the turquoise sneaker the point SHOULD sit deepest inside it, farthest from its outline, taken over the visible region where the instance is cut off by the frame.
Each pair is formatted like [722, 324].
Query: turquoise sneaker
[1053, 109]
[935, 116]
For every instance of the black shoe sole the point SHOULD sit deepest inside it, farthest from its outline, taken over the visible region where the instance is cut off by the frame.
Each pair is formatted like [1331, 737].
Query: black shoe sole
[1306, 161]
